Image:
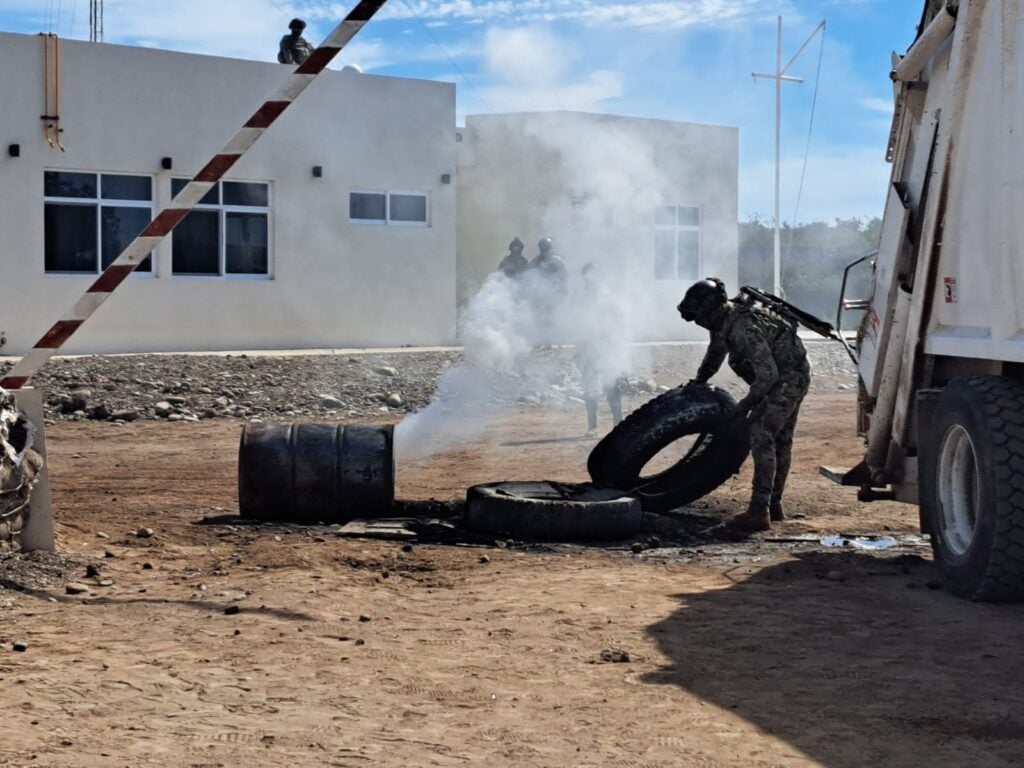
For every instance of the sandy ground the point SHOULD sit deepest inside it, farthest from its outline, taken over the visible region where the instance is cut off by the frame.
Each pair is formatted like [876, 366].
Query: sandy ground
[355, 653]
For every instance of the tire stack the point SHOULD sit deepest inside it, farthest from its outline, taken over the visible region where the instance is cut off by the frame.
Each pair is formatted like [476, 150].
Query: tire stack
[19, 467]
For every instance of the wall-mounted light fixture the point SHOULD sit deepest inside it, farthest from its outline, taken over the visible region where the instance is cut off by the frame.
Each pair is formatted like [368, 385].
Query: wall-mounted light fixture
[318, 171]
[166, 163]
[14, 150]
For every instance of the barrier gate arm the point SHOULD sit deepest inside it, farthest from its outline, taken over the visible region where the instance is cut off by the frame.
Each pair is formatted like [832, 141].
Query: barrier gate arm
[192, 193]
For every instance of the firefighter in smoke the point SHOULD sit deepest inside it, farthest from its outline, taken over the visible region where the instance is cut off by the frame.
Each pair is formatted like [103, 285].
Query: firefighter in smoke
[515, 263]
[602, 352]
[764, 350]
[294, 48]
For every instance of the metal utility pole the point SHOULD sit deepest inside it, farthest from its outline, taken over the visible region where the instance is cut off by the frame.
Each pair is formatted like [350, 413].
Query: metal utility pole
[96, 21]
[780, 77]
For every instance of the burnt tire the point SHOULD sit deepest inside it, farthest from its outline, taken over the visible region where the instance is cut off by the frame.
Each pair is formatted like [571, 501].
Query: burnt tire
[548, 511]
[695, 409]
[972, 487]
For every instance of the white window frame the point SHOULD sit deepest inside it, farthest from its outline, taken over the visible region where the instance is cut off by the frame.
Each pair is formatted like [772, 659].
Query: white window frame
[387, 221]
[222, 231]
[676, 229]
[98, 203]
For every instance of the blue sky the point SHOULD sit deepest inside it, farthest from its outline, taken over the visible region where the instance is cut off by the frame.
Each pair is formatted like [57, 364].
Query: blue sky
[674, 59]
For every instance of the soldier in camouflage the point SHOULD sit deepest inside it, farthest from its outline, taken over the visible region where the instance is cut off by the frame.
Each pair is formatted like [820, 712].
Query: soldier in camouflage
[764, 350]
[294, 48]
[515, 263]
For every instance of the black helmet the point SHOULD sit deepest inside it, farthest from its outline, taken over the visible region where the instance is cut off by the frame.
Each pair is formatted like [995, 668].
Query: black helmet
[545, 245]
[296, 24]
[516, 243]
[701, 297]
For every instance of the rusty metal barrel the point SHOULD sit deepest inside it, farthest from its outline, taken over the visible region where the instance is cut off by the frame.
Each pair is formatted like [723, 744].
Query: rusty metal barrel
[315, 473]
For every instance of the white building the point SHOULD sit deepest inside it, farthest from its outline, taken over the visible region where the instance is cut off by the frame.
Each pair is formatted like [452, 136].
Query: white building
[339, 227]
[652, 202]
[280, 257]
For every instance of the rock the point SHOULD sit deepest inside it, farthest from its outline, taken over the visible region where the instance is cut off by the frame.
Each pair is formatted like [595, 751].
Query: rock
[394, 400]
[835, 576]
[144, 533]
[407, 547]
[615, 656]
[364, 618]
[222, 402]
[126, 414]
[385, 370]
[92, 571]
[20, 646]
[147, 566]
[636, 548]
[330, 402]
[108, 554]
[485, 559]
[653, 542]
[231, 610]
[176, 399]
[100, 412]
[73, 402]
[102, 535]
[175, 417]
[74, 588]
[163, 409]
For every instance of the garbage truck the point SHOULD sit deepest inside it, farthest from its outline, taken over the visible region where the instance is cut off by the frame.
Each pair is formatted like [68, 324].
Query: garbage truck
[940, 346]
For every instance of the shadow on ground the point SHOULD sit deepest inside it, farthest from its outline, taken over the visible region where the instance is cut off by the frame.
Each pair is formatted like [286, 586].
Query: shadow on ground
[873, 670]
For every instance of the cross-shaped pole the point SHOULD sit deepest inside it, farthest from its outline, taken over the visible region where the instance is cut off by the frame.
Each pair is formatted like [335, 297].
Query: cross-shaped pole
[780, 77]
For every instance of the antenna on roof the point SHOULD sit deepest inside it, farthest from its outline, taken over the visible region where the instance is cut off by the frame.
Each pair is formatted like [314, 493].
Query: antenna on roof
[96, 21]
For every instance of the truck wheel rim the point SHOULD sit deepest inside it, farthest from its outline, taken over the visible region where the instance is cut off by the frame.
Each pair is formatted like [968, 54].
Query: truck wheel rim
[958, 489]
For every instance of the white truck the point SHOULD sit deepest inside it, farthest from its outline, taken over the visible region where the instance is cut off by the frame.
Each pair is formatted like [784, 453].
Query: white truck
[940, 349]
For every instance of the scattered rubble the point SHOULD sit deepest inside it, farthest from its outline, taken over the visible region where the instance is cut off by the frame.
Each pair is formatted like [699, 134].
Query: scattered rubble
[190, 388]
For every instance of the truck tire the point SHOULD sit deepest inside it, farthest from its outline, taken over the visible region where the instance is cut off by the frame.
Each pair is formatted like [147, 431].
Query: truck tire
[549, 511]
[695, 409]
[972, 487]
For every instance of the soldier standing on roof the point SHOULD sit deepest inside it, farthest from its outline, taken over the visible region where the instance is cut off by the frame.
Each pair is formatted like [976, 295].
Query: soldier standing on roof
[515, 263]
[294, 48]
[765, 351]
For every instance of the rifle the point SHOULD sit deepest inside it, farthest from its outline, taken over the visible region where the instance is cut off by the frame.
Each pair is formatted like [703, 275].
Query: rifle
[798, 316]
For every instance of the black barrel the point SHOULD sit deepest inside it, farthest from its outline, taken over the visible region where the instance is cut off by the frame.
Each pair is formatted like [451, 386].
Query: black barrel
[316, 473]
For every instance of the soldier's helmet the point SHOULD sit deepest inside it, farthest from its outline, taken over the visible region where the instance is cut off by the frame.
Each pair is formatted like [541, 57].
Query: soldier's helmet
[515, 244]
[298, 24]
[545, 245]
[702, 298]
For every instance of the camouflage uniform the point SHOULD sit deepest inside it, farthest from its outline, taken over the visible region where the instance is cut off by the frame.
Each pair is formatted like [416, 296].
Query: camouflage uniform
[514, 264]
[293, 50]
[765, 351]
[553, 269]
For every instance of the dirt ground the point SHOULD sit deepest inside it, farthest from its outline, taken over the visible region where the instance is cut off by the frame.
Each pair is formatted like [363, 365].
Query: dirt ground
[351, 652]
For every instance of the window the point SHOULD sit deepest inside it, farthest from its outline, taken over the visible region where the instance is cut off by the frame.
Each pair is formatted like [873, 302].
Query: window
[226, 234]
[398, 208]
[89, 218]
[677, 242]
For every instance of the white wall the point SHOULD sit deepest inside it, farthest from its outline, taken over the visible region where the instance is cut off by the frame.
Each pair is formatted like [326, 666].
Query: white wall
[333, 283]
[519, 173]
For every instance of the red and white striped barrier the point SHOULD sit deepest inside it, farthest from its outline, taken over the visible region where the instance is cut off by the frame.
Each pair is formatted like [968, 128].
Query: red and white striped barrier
[192, 193]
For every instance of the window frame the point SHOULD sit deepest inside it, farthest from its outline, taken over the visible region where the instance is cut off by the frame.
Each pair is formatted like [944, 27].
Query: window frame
[222, 209]
[676, 228]
[97, 203]
[387, 221]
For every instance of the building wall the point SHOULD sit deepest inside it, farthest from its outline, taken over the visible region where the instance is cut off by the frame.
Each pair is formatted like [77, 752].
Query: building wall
[592, 183]
[333, 282]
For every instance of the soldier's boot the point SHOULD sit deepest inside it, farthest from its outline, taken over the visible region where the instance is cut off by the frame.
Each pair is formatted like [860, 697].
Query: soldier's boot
[776, 512]
[755, 519]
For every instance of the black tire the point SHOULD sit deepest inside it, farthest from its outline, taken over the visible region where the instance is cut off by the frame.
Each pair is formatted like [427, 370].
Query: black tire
[695, 409]
[547, 511]
[972, 487]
